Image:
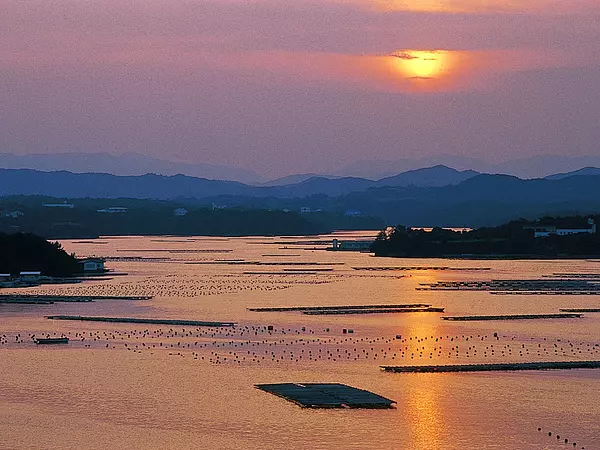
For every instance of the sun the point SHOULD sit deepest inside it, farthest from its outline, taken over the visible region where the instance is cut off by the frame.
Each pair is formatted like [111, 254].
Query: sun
[422, 64]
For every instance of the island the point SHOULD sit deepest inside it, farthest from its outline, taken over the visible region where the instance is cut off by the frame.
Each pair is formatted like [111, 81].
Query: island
[547, 237]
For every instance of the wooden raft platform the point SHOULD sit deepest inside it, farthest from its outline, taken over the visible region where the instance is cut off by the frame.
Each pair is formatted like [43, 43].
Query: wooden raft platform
[400, 268]
[338, 307]
[372, 311]
[353, 309]
[514, 317]
[45, 298]
[327, 395]
[579, 310]
[52, 340]
[193, 323]
[553, 365]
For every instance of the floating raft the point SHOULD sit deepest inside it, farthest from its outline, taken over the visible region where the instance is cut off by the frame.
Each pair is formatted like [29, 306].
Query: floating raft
[516, 286]
[303, 272]
[26, 301]
[327, 395]
[326, 308]
[545, 292]
[422, 268]
[579, 310]
[372, 311]
[193, 323]
[35, 298]
[553, 365]
[52, 340]
[574, 275]
[353, 309]
[514, 317]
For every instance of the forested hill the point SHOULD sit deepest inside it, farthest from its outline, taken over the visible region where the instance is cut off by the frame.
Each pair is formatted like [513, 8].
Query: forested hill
[28, 252]
[514, 239]
[85, 217]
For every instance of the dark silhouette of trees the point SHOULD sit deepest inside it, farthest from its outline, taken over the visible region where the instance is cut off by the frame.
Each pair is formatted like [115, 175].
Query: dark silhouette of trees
[514, 238]
[28, 252]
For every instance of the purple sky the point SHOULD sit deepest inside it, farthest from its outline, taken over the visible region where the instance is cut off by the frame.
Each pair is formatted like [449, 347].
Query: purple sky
[289, 86]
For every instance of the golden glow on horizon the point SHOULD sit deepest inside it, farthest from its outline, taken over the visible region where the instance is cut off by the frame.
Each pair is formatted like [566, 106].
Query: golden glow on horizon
[465, 6]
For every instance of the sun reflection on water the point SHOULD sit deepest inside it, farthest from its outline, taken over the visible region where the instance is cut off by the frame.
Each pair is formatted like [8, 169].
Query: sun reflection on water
[424, 409]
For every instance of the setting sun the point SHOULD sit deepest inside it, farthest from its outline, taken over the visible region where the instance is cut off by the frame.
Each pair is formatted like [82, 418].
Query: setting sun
[420, 64]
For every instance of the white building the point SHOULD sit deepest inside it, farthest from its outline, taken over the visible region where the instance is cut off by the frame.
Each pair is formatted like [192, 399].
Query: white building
[113, 210]
[59, 205]
[180, 211]
[92, 264]
[30, 276]
[548, 230]
[356, 246]
[13, 214]
[352, 213]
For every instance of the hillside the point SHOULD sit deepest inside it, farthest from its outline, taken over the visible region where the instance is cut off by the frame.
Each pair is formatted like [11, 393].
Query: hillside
[28, 252]
[479, 200]
[513, 239]
[86, 217]
[152, 186]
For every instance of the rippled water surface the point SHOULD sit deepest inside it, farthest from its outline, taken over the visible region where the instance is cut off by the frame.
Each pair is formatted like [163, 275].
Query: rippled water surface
[160, 386]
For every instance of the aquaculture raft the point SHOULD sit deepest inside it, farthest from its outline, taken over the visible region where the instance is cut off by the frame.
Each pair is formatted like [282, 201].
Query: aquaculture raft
[514, 317]
[353, 309]
[579, 310]
[47, 299]
[553, 365]
[327, 395]
[52, 340]
[193, 323]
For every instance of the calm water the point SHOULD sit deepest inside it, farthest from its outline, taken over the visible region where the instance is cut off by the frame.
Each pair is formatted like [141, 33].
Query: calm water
[143, 386]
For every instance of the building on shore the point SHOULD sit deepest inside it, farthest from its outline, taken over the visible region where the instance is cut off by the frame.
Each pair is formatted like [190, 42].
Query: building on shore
[353, 246]
[352, 213]
[91, 265]
[540, 231]
[13, 214]
[59, 205]
[30, 277]
[180, 212]
[113, 210]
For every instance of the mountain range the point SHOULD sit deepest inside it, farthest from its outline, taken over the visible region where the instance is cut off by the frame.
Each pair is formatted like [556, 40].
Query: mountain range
[103, 185]
[131, 164]
[125, 164]
[433, 196]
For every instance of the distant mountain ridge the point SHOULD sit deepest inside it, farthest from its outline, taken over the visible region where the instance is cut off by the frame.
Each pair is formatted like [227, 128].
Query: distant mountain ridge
[477, 200]
[128, 164]
[527, 168]
[435, 176]
[585, 171]
[68, 184]
[132, 164]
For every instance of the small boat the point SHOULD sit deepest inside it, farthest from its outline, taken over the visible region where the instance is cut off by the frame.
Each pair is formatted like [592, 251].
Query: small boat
[52, 340]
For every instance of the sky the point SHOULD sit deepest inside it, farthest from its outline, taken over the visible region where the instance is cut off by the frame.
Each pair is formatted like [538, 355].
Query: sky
[296, 86]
